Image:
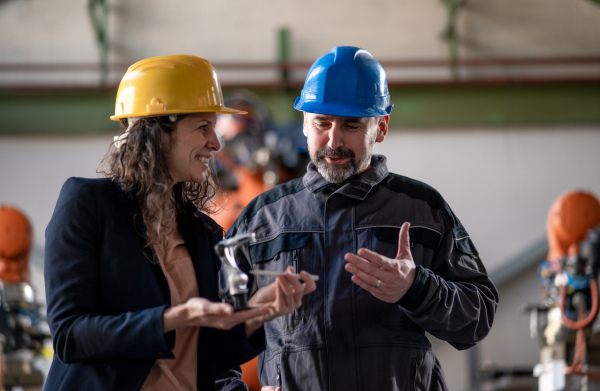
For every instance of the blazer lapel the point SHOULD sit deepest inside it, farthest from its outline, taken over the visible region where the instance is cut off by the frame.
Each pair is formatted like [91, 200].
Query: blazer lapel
[135, 212]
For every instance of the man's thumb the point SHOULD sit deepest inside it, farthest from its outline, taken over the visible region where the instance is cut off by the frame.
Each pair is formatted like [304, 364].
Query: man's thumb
[403, 240]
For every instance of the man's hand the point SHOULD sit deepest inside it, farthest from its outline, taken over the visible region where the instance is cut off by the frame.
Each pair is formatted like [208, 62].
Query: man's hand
[387, 279]
[283, 296]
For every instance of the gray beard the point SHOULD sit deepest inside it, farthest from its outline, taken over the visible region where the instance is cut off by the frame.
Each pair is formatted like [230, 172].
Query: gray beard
[336, 174]
[339, 174]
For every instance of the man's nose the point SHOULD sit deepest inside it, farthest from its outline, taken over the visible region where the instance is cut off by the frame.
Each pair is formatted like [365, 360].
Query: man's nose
[336, 137]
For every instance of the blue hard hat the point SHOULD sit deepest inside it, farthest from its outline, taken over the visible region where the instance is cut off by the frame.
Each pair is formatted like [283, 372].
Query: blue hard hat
[346, 82]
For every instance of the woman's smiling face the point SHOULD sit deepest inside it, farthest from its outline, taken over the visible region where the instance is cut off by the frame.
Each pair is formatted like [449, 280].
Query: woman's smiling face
[194, 141]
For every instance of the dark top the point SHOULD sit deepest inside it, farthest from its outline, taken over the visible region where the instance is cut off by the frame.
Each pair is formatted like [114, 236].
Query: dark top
[105, 298]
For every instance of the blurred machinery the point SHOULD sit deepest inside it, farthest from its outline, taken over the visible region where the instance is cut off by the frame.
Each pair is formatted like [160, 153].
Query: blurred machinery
[254, 157]
[566, 321]
[23, 329]
[255, 154]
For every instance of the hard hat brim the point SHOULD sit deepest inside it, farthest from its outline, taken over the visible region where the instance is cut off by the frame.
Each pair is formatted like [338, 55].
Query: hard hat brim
[220, 110]
[340, 109]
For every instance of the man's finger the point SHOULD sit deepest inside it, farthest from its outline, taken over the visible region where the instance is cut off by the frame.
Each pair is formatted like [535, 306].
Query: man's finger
[372, 274]
[366, 286]
[369, 260]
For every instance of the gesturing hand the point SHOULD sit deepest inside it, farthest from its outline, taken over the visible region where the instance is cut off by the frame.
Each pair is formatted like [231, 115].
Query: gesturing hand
[387, 279]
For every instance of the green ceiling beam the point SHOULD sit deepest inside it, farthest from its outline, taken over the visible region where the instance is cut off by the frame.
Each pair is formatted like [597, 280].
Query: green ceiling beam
[57, 113]
[425, 106]
[496, 105]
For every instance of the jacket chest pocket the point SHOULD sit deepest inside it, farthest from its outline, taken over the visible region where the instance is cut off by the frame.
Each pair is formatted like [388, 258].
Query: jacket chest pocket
[423, 243]
[287, 249]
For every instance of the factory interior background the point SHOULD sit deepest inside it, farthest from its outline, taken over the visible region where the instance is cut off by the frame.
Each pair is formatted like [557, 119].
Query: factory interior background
[496, 105]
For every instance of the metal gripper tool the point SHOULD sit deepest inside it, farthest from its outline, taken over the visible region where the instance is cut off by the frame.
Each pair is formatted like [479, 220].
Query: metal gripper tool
[237, 280]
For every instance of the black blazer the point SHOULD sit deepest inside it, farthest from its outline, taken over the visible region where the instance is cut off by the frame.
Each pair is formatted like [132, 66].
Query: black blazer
[105, 299]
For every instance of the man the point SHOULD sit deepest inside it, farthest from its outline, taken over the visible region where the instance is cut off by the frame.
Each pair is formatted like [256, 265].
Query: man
[393, 260]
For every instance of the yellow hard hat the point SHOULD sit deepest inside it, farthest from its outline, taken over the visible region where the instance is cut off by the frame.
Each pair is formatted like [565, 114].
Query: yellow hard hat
[176, 84]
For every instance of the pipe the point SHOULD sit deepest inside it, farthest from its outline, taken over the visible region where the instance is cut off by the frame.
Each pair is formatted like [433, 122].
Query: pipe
[247, 68]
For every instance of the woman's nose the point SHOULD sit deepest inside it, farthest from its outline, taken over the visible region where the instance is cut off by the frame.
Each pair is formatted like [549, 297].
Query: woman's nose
[213, 141]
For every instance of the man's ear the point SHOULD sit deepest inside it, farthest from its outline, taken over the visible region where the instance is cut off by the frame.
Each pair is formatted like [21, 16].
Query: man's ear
[382, 128]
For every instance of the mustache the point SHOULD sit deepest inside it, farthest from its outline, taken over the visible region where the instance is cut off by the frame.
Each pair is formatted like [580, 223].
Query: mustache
[341, 152]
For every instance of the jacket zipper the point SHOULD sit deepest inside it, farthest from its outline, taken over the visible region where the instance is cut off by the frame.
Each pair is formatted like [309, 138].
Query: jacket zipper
[295, 260]
[278, 379]
[295, 264]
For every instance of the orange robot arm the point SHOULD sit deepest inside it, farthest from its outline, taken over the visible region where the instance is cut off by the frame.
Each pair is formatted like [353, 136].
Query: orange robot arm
[15, 245]
[569, 219]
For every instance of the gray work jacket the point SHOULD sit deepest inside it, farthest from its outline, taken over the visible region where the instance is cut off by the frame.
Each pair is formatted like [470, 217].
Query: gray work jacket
[343, 338]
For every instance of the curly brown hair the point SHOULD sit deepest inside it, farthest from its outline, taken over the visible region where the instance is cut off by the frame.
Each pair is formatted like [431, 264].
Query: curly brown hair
[139, 167]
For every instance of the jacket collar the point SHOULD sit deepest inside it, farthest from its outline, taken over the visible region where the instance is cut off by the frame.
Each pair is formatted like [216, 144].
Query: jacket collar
[357, 187]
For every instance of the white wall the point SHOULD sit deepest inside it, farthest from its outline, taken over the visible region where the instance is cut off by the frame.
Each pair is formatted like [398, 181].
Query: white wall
[500, 182]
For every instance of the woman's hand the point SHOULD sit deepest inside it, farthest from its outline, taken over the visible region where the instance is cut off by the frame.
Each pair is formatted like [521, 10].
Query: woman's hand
[200, 312]
[284, 295]
[281, 297]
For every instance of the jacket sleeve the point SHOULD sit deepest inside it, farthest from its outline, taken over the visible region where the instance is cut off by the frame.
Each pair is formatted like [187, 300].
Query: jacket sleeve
[237, 351]
[81, 327]
[453, 298]
[231, 381]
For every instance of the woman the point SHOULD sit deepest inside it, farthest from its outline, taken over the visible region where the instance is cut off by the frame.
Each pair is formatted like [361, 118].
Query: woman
[131, 275]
